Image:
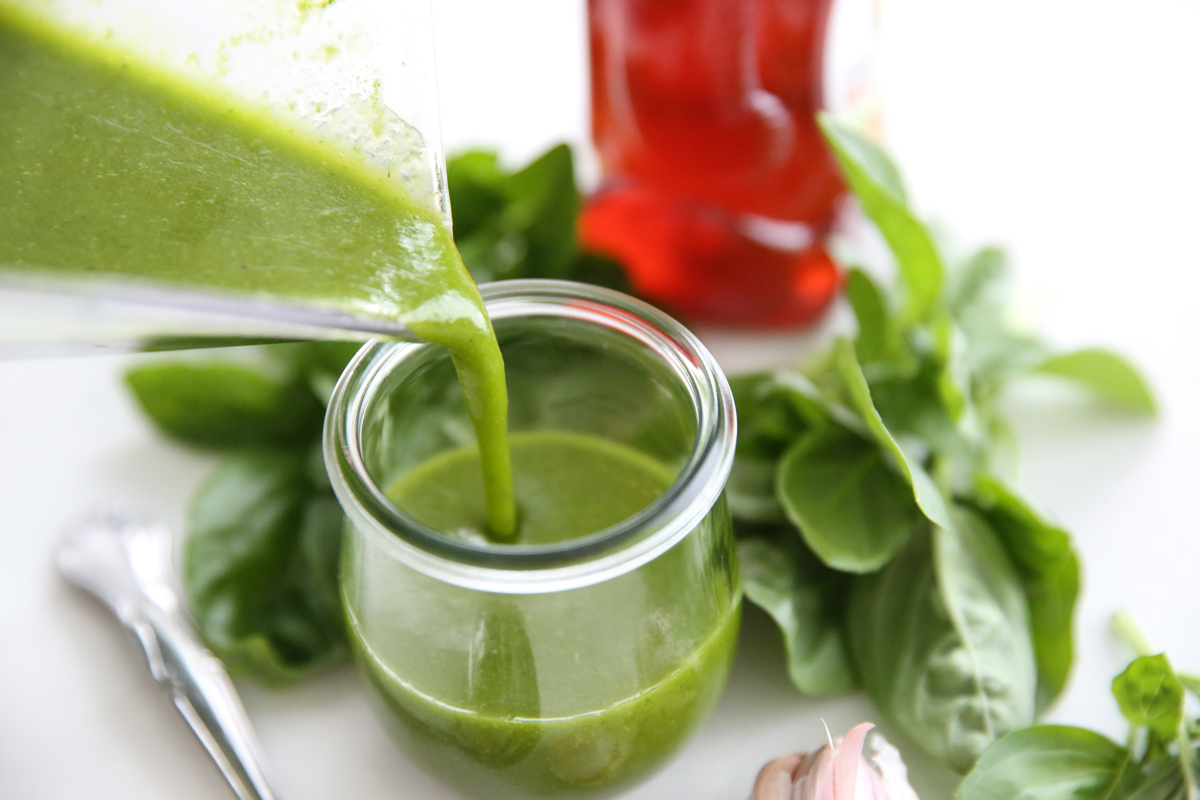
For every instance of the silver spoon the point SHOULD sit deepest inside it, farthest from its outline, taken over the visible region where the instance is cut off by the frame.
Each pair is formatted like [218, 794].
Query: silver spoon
[126, 562]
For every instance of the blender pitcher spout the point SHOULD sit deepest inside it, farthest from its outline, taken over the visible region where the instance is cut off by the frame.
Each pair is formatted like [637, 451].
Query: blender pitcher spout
[45, 318]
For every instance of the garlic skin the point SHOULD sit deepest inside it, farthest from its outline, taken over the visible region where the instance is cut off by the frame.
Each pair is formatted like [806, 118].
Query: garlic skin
[839, 770]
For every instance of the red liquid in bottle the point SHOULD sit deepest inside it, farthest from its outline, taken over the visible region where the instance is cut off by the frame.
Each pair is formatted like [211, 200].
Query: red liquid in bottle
[719, 184]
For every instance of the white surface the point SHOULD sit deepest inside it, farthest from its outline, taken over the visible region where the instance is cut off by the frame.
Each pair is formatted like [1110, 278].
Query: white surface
[1065, 130]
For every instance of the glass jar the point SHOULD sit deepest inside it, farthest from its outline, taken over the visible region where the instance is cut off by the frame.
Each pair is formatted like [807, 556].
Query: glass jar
[571, 667]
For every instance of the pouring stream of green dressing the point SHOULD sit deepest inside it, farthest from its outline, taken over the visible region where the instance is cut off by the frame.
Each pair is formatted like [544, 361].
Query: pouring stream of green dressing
[109, 169]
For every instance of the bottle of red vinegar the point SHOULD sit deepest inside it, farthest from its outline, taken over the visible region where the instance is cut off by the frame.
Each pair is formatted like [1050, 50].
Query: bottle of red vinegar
[718, 188]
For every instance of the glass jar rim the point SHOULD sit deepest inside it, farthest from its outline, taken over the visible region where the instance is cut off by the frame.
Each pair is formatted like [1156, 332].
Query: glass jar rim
[547, 567]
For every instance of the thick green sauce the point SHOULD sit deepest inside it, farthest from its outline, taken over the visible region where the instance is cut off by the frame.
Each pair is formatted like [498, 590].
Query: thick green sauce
[497, 737]
[597, 753]
[109, 169]
[567, 485]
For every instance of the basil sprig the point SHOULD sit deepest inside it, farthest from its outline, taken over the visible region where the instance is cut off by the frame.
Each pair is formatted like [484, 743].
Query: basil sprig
[876, 527]
[264, 529]
[1158, 761]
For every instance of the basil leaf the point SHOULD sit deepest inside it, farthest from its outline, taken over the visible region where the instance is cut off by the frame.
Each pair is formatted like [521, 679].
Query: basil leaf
[876, 183]
[543, 205]
[976, 296]
[804, 598]
[1163, 781]
[769, 416]
[475, 182]
[926, 493]
[911, 407]
[998, 355]
[940, 638]
[522, 224]
[954, 374]
[775, 408]
[1049, 570]
[978, 287]
[895, 623]
[750, 490]
[873, 342]
[986, 603]
[871, 165]
[321, 364]
[850, 505]
[801, 395]
[260, 566]
[514, 225]
[1111, 377]
[1151, 696]
[768, 422]
[221, 404]
[600, 270]
[1049, 762]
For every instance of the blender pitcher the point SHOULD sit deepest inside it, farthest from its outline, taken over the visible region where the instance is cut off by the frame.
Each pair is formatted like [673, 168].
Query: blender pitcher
[157, 175]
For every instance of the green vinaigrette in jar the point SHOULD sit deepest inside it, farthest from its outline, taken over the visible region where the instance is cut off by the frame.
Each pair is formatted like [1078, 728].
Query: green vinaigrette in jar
[576, 658]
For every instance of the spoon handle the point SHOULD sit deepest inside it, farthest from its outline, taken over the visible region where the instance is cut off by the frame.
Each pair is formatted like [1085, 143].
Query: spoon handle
[126, 563]
[207, 699]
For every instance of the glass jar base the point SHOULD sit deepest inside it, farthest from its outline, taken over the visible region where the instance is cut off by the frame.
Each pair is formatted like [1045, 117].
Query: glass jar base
[593, 755]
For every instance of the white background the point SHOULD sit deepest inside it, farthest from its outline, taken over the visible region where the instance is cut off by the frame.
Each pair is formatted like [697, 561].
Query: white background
[1065, 130]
